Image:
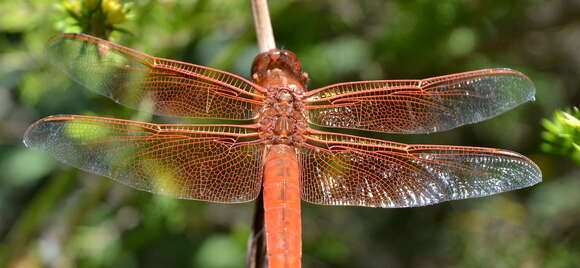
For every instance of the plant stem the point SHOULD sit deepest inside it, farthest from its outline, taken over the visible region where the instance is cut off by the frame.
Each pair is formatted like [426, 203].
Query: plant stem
[256, 255]
[264, 32]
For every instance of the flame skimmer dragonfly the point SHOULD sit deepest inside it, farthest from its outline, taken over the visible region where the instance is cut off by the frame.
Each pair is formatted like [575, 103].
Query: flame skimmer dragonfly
[273, 148]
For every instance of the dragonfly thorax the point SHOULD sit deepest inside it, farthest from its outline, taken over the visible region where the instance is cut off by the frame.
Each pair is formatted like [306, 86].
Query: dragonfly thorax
[282, 118]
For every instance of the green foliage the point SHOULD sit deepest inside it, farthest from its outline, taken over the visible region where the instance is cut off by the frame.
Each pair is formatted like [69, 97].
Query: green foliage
[54, 216]
[220, 252]
[562, 134]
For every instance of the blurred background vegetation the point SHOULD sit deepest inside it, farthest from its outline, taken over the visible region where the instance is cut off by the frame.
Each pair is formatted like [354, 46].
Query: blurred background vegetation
[52, 215]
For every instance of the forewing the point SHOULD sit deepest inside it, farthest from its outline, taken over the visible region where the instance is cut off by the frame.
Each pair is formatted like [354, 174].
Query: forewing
[218, 163]
[419, 106]
[157, 85]
[347, 170]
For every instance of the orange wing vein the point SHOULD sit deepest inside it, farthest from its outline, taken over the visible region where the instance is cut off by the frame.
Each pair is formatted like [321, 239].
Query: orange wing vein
[218, 163]
[419, 106]
[160, 86]
[341, 169]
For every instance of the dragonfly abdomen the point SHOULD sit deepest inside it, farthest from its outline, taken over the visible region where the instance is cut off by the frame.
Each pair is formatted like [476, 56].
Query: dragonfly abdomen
[282, 207]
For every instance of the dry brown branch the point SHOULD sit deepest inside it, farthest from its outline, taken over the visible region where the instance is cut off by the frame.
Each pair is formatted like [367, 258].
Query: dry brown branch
[264, 32]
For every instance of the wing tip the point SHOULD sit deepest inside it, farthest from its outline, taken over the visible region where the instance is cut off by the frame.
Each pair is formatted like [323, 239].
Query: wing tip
[32, 134]
[529, 89]
[520, 90]
[532, 169]
[537, 176]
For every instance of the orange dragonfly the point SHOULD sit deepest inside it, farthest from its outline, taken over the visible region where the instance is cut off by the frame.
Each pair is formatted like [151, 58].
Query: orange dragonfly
[271, 146]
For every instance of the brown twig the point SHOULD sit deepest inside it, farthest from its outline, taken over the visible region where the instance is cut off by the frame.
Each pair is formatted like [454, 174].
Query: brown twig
[264, 32]
[256, 257]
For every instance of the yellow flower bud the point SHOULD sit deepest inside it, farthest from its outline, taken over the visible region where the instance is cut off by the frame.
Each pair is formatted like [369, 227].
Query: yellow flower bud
[72, 6]
[116, 14]
[110, 6]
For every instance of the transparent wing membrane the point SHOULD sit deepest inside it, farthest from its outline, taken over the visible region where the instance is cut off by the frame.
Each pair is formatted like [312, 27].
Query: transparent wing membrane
[158, 85]
[347, 170]
[419, 106]
[218, 163]
[223, 163]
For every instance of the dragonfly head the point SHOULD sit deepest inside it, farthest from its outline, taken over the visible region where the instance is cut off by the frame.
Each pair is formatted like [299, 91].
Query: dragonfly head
[277, 66]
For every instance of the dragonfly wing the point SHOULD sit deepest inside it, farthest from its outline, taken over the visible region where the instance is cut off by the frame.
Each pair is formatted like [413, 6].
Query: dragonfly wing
[347, 170]
[419, 106]
[218, 163]
[157, 85]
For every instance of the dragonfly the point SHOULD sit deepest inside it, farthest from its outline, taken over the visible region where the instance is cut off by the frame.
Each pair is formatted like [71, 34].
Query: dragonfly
[271, 135]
